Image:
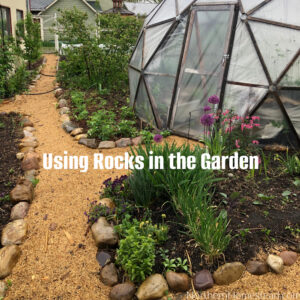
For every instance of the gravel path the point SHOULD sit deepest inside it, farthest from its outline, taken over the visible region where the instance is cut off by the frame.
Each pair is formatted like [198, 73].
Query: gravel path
[53, 266]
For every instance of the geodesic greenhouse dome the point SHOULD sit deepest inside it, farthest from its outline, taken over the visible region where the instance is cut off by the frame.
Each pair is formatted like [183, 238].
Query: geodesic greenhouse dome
[246, 52]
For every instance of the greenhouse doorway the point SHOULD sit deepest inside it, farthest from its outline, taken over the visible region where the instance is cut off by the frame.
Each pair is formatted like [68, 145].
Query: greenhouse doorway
[203, 66]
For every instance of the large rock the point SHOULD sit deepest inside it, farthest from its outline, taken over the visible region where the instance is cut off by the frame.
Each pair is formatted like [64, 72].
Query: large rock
[23, 191]
[103, 258]
[28, 143]
[104, 233]
[203, 280]
[27, 149]
[154, 287]
[64, 110]
[58, 93]
[26, 122]
[27, 133]
[9, 256]
[30, 161]
[3, 289]
[62, 103]
[77, 131]
[123, 291]
[137, 140]
[81, 136]
[288, 257]
[107, 145]
[275, 263]
[107, 202]
[178, 282]
[19, 211]
[90, 143]
[257, 267]
[30, 129]
[124, 142]
[68, 126]
[65, 118]
[109, 275]
[228, 273]
[30, 175]
[14, 233]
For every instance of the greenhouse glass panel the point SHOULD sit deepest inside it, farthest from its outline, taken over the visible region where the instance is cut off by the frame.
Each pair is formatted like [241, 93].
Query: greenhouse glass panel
[136, 60]
[134, 78]
[250, 4]
[245, 65]
[166, 12]
[153, 36]
[274, 128]
[167, 57]
[183, 4]
[143, 107]
[282, 11]
[278, 45]
[201, 73]
[291, 102]
[161, 89]
[292, 77]
[242, 99]
[152, 13]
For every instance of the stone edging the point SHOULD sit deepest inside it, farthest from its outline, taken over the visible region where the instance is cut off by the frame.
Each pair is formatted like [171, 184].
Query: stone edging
[105, 236]
[15, 232]
[82, 137]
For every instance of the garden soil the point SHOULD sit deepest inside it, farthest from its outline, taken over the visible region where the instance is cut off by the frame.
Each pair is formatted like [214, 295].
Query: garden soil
[61, 264]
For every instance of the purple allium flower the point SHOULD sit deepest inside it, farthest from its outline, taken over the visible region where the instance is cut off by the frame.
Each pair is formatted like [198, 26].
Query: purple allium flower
[207, 108]
[207, 120]
[158, 138]
[214, 99]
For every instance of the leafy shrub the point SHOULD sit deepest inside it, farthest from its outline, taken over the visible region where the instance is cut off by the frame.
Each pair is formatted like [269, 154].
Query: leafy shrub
[159, 233]
[136, 255]
[102, 59]
[117, 188]
[79, 106]
[101, 124]
[96, 211]
[127, 128]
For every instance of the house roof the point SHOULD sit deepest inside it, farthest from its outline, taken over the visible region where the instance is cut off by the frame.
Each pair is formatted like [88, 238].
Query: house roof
[119, 10]
[140, 8]
[40, 5]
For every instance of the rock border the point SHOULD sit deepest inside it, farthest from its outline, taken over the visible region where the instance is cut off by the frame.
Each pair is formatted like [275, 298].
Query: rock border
[104, 235]
[82, 137]
[15, 232]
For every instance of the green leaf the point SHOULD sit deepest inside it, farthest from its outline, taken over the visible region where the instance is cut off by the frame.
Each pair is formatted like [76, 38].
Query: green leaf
[257, 203]
[286, 193]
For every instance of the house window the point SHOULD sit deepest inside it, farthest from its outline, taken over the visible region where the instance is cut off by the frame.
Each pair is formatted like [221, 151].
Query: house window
[20, 18]
[5, 25]
[20, 15]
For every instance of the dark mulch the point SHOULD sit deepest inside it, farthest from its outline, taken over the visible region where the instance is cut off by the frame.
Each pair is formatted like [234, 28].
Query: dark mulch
[256, 223]
[10, 167]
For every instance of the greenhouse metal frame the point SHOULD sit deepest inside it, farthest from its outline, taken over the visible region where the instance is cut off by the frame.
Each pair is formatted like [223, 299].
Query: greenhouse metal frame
[238, 57]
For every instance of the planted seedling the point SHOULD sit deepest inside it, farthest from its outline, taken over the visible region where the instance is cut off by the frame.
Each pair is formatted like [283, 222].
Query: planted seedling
[285, 196]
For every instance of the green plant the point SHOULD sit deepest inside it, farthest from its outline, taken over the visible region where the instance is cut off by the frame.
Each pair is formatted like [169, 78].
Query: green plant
[2, 125]
[35, 181]
[173, 264]
[4, 197]
[101, 124]
[136, 255]
[207, 226]
[291, 163]
[127, 128]
[147, 136]
[98, 210]
[165, 133]
[295, 232]
[30, 38]
[243, 233]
